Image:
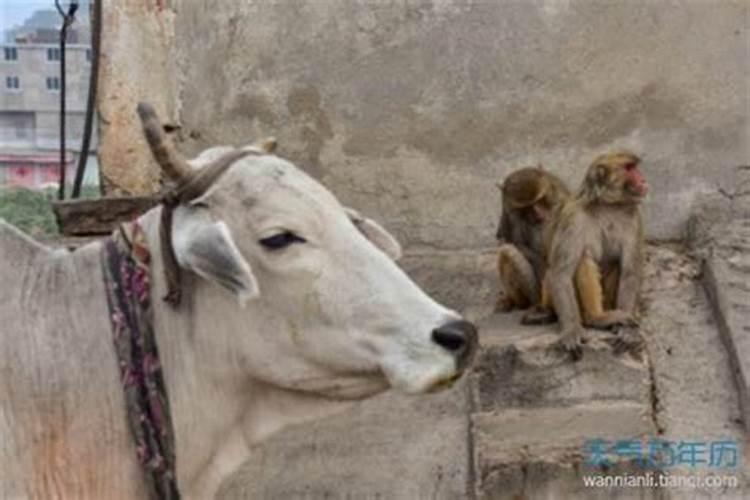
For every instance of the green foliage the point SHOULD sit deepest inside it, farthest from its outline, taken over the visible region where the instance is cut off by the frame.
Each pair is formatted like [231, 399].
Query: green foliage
[29, 210]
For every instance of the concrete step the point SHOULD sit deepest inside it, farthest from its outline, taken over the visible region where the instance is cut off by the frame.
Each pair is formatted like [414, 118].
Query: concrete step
[535, 410]
[727, 283]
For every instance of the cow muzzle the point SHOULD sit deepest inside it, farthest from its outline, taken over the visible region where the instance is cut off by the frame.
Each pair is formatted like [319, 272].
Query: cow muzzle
[460, 339]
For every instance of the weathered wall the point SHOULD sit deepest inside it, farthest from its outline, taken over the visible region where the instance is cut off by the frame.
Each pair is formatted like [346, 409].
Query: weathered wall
[411, 110]
[135, 64]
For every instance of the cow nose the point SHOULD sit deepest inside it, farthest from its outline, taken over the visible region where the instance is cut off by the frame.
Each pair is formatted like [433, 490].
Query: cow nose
[459, 337]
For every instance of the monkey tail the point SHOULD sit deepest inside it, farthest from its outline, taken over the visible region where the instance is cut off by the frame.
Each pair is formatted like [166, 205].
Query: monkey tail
[171, 162]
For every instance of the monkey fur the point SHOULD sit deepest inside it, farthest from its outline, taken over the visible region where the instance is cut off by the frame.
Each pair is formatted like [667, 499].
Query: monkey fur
[530, 195]
[594, 245]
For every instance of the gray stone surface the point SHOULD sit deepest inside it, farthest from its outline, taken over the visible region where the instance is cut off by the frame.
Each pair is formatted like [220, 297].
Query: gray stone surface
[695, 398]
[411, 110]
[727, 278]
[528, 374]
[389, 447]
[534, 410]
[465, 281]
[721, 239]
[538, 453]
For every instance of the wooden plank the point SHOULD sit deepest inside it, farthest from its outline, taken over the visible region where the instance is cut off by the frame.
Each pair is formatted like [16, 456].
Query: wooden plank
[99, 216]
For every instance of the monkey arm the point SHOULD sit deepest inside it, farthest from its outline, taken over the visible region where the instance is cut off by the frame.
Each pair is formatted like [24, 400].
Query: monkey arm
[567, 248]
[562, 291]
[504, 229]
[536, 259]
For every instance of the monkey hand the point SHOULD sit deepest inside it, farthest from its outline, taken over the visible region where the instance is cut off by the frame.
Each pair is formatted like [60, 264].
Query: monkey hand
[628, 339]
[570, 342]
[504, 304]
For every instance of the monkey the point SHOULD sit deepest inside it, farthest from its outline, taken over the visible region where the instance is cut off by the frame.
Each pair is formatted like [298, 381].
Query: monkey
[530, 195]
[594, 246]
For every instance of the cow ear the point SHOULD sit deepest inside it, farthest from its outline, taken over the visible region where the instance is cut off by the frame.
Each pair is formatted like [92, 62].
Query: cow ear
[376, 233]
[207, 248]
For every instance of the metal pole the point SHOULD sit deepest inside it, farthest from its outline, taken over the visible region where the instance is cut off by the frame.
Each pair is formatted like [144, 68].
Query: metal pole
[67, 21]
[96, 30]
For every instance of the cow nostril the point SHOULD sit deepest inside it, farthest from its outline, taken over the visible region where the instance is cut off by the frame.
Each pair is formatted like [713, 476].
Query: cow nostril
[448, 339]
[460, 338]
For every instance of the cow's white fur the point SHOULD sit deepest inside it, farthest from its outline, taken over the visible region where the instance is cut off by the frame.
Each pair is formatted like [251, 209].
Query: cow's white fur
[324, 322]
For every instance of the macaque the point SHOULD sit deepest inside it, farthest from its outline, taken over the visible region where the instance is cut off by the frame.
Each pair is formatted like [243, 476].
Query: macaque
[595, 251]
[530, 195]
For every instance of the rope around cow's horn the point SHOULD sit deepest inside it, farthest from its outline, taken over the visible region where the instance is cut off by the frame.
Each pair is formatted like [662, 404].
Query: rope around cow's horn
[186, 190]
[190, 185]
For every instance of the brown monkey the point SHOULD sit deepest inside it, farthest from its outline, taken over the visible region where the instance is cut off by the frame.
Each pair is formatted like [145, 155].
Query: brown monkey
[530, 195]
[595, 250]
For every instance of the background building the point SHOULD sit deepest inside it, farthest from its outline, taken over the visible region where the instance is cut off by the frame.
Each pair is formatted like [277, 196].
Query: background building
[30, 101]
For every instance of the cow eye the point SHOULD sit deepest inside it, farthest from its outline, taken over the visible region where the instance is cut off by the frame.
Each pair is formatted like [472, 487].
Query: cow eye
[281, 240]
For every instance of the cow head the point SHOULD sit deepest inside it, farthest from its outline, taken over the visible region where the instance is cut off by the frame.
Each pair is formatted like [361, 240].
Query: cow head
[305, 292]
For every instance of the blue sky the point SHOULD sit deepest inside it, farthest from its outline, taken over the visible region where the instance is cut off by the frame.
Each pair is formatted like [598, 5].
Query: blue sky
[15, 12]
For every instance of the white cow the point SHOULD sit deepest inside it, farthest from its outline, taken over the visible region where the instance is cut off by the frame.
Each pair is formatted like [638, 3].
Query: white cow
[328, 317]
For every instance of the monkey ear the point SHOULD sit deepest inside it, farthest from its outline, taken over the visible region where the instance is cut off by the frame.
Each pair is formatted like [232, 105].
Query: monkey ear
[594, 179]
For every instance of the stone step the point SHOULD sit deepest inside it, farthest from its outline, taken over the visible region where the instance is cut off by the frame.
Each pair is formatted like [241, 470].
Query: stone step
[727, 283]
[540, 452]
[535, 410]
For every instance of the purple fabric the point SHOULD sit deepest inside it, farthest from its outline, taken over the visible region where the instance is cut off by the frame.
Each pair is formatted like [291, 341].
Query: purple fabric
[125, 259]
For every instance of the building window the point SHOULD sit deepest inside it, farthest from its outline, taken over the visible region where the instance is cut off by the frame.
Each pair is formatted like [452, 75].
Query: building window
[11, 54]
[53, 54]
[53, 83]
[12, 83]
[88, 55]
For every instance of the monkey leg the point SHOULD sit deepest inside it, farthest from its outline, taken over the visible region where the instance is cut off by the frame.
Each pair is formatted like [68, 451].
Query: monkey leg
[610, 282]
[517, 279]
[544, 312]
[591, 297]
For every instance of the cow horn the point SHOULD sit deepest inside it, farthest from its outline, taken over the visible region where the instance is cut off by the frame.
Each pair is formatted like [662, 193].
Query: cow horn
[269, 144]
[170, 161]
[262, 147]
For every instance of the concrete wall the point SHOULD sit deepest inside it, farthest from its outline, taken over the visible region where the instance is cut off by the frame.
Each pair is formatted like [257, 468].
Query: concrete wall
[411, 110]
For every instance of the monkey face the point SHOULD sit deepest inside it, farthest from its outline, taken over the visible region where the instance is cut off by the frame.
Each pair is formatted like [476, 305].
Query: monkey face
[635, 183]
[537, 213]
[616, 179]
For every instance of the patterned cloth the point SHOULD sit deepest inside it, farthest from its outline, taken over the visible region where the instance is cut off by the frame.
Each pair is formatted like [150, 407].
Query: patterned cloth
[125, 260]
